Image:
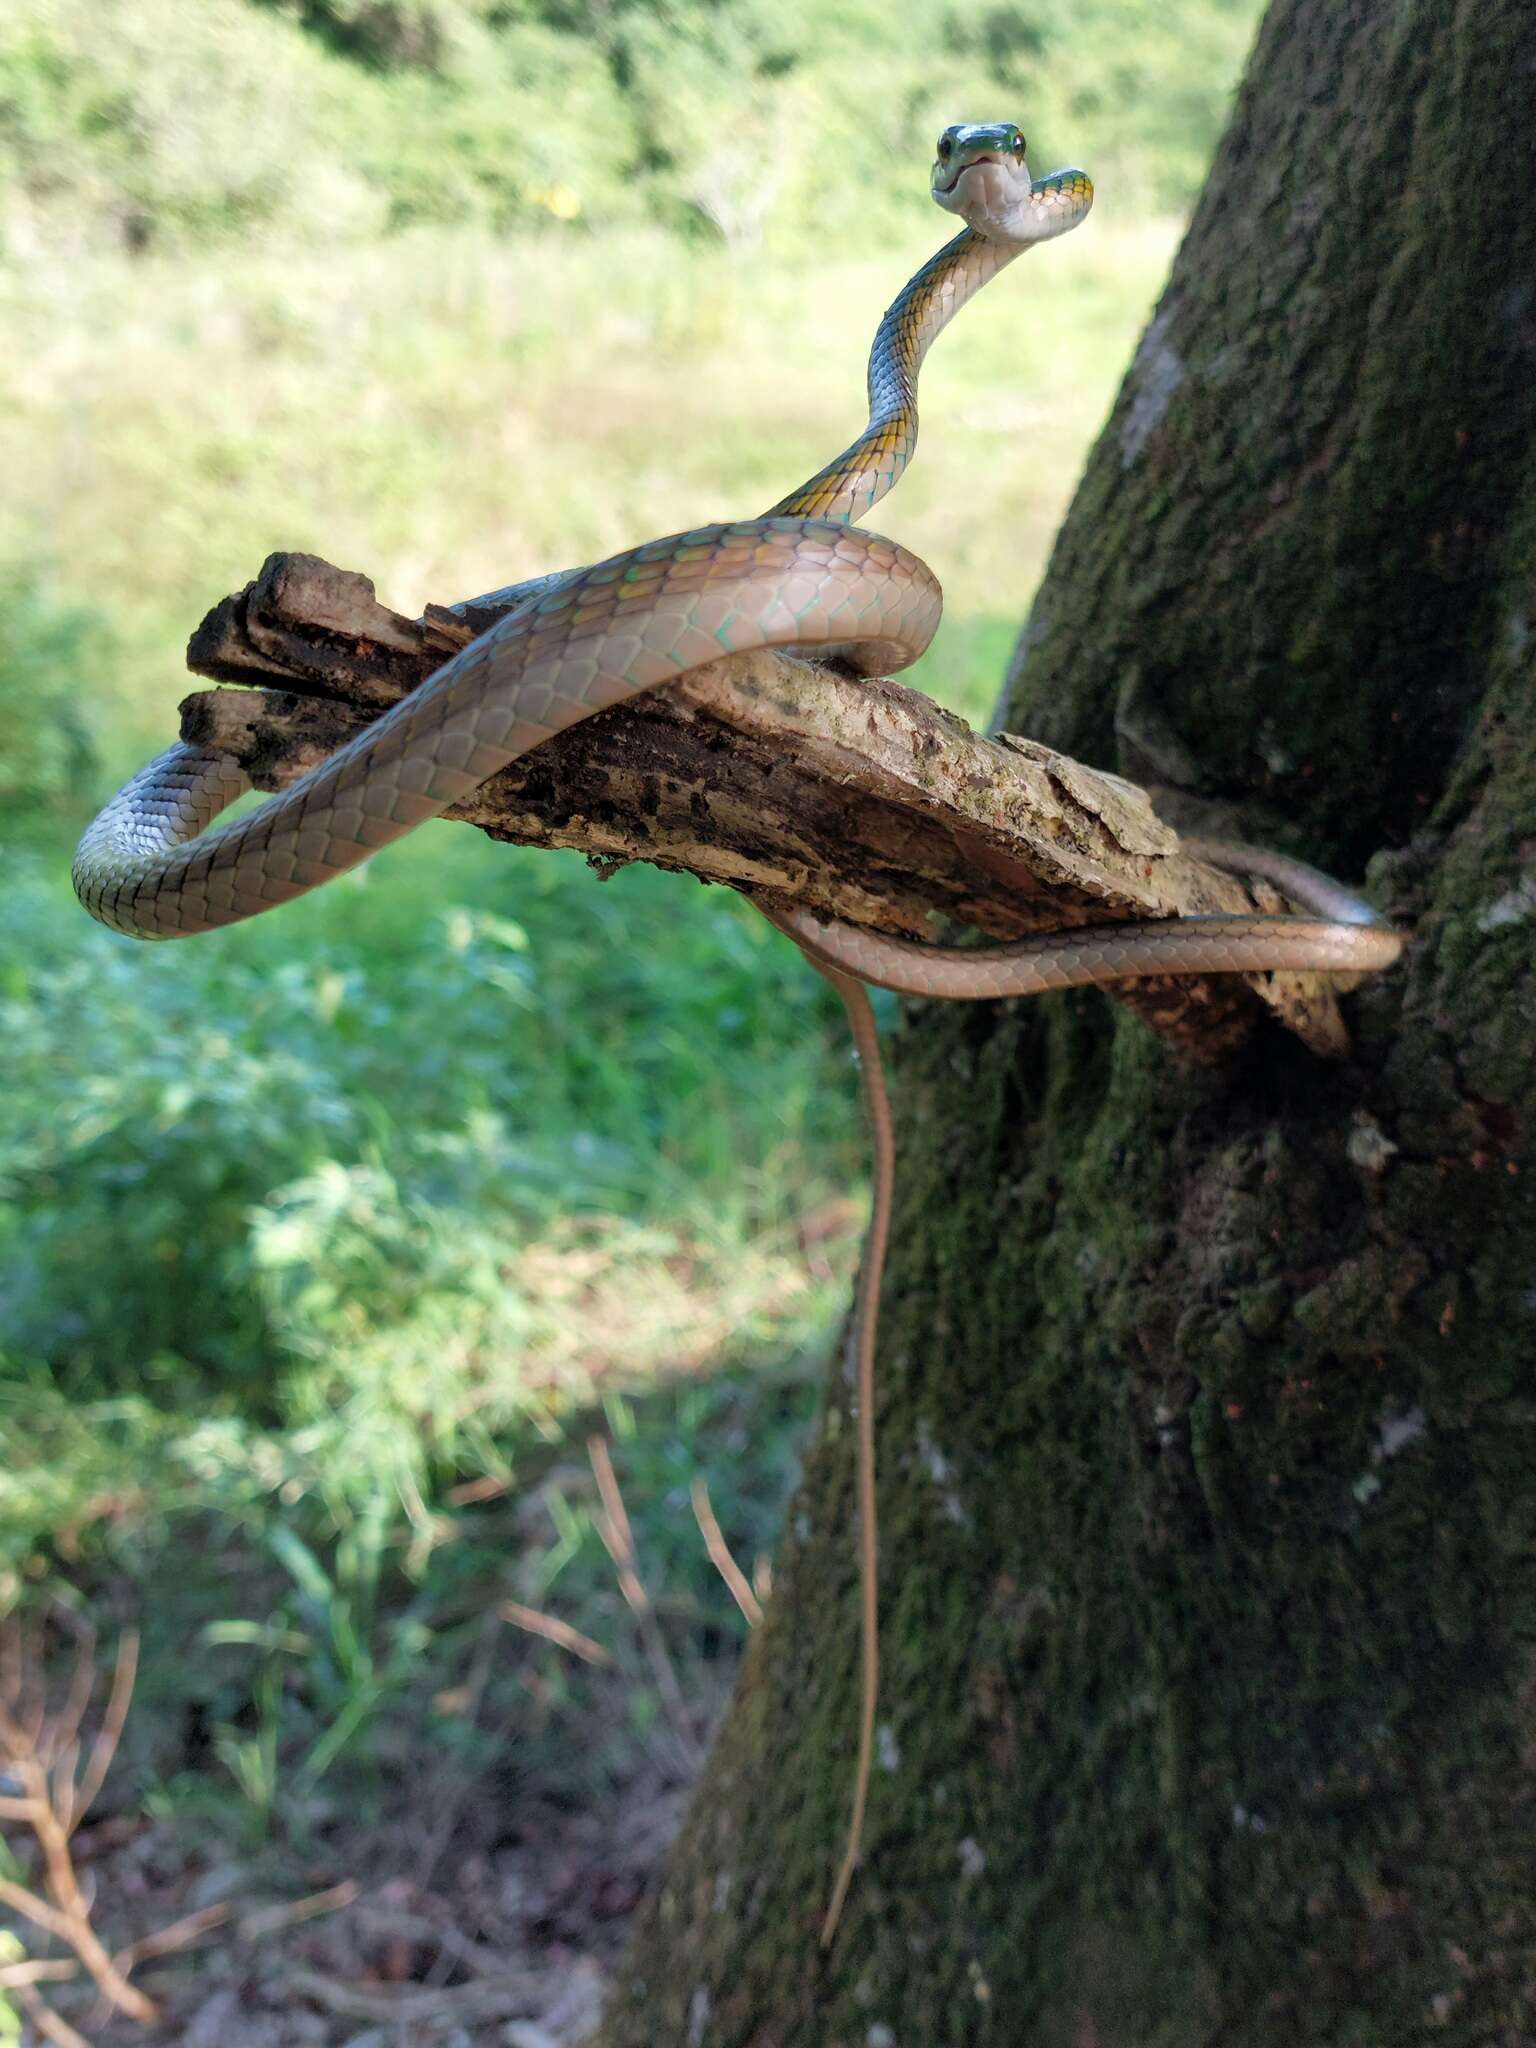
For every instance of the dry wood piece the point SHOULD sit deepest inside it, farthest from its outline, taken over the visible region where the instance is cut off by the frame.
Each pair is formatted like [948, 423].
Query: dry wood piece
[788, 779]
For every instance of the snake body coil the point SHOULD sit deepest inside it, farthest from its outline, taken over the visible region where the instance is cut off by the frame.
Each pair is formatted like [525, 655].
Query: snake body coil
[800, 577]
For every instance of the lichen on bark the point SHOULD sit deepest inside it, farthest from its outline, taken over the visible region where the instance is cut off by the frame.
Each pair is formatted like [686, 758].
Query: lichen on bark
[1208, 1399]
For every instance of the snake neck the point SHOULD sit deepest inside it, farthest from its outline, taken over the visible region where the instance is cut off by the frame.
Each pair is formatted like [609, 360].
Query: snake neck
[871, 465]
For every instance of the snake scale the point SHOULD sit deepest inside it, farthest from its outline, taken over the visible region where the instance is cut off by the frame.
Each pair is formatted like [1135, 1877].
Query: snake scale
[802, 577]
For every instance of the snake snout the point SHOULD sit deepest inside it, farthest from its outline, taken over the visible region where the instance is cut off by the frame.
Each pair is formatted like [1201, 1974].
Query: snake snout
[975, 163]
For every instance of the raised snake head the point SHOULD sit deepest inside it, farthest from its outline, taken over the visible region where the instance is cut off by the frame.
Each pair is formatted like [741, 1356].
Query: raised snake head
[980, 173]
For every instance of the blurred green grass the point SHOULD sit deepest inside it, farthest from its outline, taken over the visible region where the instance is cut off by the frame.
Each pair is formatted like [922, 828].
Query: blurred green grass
[776, 121]
[341, 1223]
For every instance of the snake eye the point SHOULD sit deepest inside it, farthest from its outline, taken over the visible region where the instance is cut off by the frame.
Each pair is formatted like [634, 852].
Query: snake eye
[946, 148]
[1018, 145]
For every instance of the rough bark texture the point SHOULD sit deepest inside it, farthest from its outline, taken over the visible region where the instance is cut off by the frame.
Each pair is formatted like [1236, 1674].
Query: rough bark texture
[1208, 1400]
[790, 780]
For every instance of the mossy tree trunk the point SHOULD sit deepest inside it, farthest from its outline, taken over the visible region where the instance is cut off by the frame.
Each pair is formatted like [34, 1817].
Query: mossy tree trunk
[1207, 1426]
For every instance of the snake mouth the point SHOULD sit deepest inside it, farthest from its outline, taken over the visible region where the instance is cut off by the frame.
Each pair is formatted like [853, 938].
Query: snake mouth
[974, 164]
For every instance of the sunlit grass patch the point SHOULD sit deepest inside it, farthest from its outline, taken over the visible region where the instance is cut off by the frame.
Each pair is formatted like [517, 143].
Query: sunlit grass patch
[336, 1239]
[217, 1152]
[450, 412]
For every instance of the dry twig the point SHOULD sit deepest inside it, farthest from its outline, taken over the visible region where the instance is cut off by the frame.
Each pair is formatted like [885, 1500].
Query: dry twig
[720, 1556]
[268, 1920]
[42, 1753]
[14, 1975]
[179, 1935]
[47, 2021]
[553, 1631]
[619, 1542]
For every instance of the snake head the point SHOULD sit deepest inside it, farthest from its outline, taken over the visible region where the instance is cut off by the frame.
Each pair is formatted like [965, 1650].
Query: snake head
[980, 173]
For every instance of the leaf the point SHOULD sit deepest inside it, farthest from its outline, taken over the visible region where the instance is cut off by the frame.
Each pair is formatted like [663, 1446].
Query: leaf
[302, 1565]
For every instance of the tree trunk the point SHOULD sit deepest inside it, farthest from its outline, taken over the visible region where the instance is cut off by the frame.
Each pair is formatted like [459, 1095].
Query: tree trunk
[1208, 1399]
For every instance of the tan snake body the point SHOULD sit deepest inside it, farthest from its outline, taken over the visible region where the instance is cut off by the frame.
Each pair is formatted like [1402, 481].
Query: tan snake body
[800, 578]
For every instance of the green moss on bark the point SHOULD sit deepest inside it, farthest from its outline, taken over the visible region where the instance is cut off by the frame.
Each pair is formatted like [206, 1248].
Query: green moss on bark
[1273, 584]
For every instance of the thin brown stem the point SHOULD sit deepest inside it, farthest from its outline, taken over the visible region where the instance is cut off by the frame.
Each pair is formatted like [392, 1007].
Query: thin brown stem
[42, 1754]
[47, 2021]
[560, 1633]
[720, 1556]
[271, 1920]
[68, 1918]
[32, 1971]
[37, 1910]
[66, 1723]
[124, 1676]
[866, 1314]
[179, 1935]
[618, 1540]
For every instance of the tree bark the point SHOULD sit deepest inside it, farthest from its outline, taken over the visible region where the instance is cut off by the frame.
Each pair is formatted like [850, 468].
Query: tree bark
[1208, 1398]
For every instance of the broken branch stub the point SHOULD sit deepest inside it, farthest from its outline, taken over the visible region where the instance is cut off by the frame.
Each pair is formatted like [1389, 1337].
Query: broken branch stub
[787, 779]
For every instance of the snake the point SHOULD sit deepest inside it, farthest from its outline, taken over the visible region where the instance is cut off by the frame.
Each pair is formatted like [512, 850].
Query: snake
[803, 578]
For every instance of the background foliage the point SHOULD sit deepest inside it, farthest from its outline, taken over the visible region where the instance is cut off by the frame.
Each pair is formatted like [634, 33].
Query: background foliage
[155, 123]
[324, 1241]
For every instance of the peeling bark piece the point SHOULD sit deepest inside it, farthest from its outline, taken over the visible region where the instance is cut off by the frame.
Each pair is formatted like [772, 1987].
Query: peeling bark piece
[778, 776]
[319, 628]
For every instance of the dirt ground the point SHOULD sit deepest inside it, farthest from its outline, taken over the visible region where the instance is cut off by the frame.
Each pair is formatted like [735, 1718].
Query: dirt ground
[507, 1942]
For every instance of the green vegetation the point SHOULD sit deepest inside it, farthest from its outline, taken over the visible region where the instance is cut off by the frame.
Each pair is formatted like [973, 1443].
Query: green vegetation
[158, 124]
[306, 1233]
[324, 1240]
[47, 766]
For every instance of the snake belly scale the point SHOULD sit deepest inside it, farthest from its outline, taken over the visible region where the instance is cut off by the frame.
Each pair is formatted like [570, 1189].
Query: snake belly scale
[803, 578]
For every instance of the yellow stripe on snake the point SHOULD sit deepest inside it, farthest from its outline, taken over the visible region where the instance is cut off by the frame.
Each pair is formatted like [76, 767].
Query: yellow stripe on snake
[803, 578]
